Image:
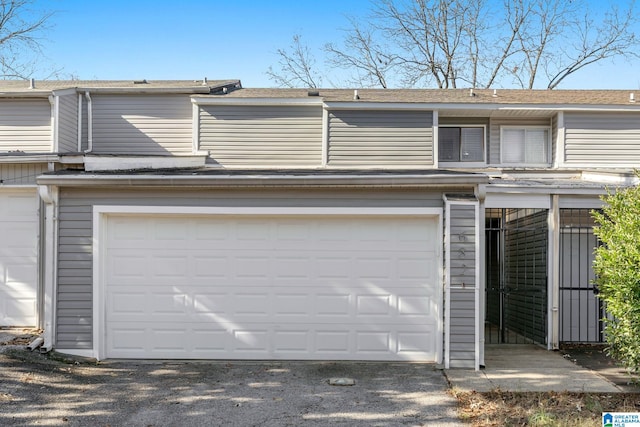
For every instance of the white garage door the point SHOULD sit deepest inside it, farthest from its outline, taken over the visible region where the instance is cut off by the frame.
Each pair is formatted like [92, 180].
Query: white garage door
[289, 287]
[18, 257]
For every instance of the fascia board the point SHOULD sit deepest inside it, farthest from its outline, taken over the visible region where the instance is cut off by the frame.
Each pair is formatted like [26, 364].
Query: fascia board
[145, 91]
[356, 105]
[221, 100]
[36, 158]
[264, 181]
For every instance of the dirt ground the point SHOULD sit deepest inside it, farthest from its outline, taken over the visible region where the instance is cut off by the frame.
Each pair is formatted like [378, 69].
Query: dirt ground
[499, 408]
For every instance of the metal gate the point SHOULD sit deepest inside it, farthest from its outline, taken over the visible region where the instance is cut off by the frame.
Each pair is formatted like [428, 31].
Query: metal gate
[516, 276]
[581, 311]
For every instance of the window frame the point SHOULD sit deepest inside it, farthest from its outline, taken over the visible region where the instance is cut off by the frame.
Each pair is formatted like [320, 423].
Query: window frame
[470, 164]
[526, 128]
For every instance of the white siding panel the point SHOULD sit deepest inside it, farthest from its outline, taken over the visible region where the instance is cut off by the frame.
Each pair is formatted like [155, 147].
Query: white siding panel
[149, 124]
[68, 123]
[602, 139]
[259, 136]
[25, 125]
[380, 138]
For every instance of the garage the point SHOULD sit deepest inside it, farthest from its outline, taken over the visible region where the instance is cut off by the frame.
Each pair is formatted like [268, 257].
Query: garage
[18, 257]
[269, 283]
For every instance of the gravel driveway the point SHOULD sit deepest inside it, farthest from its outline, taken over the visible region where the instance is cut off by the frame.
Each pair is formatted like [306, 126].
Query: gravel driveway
[39, 390]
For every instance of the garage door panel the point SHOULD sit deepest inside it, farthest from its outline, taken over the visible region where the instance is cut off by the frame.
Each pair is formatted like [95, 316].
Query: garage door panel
[256, 341]
[271, 287]
[359, 305]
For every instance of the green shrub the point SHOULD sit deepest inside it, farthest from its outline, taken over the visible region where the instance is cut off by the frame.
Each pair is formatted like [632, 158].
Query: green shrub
[617, 268]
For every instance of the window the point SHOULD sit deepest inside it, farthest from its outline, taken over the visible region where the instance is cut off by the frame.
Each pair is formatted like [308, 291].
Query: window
[525, 145]
[461, 144]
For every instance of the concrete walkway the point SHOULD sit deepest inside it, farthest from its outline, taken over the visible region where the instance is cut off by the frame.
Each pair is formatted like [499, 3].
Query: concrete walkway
[528, 368]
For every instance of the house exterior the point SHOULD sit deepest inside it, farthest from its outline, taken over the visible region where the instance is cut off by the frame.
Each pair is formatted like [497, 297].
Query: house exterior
[199, 220]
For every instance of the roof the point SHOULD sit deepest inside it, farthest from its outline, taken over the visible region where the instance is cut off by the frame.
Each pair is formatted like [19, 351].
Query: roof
[448, 96]
[45, 87]
[213, 89]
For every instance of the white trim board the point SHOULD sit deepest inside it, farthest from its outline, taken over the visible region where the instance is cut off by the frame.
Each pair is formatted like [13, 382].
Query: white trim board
[102, 212]
[517, 200]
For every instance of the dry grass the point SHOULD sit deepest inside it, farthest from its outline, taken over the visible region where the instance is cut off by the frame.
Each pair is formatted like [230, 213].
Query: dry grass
[497, 408]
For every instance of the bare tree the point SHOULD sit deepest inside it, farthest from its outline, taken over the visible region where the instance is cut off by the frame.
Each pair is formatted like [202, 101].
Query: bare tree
[21, 28]
[447, 43]
[364, 56]
[296, 66]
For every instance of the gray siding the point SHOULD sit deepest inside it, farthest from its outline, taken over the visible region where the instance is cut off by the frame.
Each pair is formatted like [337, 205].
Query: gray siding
[142, 124]
[68, 123]
[21, 174]
[74, 303]
[602, 139]
[462, 347]
[494, 132]
[260, 136]
[462, 276]
[25, 125]
[380, 138]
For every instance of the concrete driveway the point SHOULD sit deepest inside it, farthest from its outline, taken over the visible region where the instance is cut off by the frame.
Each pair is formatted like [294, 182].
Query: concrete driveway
[37, 390]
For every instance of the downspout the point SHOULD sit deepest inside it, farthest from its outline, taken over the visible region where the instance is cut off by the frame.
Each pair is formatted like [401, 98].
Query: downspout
[553, 273]
[481, 194]
[54, 100]
[89, 123]
[79, 122]
[49, 195]
[434, 139]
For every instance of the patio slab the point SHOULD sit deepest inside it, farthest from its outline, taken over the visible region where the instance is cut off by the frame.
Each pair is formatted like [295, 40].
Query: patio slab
[525, 368]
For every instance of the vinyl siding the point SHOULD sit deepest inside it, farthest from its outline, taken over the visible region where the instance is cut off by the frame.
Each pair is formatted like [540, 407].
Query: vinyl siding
[74, 298]
[462, 276]
[142, 124]
[21, 174]
[602, 139]
[462, 347]
[25, 125]
[68, 123]
[494, 132]
[262, 136]
[380, 138]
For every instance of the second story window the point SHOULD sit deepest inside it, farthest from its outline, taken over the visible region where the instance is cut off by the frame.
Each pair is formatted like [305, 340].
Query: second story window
[461, 144]
[525, 145]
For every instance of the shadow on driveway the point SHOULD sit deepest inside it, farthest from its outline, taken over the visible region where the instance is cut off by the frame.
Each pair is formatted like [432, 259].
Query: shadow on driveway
[36, 389]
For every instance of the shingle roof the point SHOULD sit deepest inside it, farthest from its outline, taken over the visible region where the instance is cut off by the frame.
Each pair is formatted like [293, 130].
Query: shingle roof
[453, 96]
[428, 96]
[23, 87]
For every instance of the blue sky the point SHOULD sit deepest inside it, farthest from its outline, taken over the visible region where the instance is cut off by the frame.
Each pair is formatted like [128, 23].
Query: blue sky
[233, 39]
